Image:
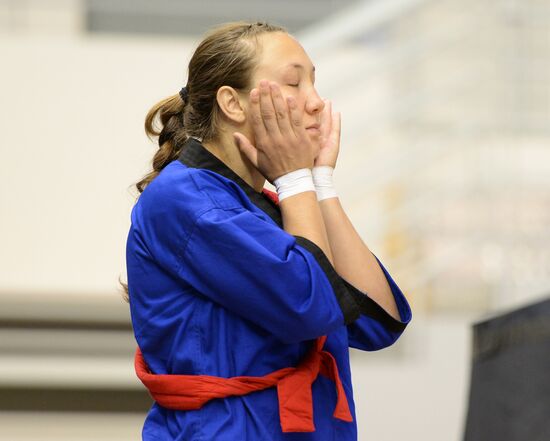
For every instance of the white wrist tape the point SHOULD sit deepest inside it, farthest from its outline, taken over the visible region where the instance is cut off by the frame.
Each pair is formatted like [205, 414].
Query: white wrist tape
[322, 179]
[295, 182]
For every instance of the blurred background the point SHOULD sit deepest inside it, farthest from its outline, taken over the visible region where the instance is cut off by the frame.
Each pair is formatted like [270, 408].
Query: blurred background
[444, 170]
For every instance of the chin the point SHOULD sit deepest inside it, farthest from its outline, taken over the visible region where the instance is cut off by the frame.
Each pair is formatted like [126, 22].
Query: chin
[316, 140]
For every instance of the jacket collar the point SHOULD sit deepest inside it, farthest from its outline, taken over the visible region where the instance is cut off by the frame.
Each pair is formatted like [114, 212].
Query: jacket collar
[194, 154]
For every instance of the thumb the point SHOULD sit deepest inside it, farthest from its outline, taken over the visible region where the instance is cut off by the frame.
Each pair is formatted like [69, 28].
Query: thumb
[336, 127]
[246, 147]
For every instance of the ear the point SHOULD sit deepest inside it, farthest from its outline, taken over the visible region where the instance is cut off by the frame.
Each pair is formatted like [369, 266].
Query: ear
[230, 105]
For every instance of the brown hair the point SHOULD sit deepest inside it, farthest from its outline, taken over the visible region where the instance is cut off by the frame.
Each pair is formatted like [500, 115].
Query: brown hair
[225, 57]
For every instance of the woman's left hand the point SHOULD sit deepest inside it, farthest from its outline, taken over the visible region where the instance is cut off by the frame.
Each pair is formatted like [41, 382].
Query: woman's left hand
[330, 137]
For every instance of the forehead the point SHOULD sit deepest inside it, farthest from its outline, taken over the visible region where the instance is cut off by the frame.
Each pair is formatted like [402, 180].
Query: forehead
[279, 51]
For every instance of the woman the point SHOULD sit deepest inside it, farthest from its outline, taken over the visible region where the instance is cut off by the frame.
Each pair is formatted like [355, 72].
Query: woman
[241, 297]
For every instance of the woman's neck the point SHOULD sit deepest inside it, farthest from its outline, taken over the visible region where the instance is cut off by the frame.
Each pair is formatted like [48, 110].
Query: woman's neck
[227, 152]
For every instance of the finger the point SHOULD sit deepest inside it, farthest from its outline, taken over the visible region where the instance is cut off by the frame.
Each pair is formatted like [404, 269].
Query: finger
[326, 119]
[256, 117]
[336, 127]
[267, 110]
[281, 109]
[295, 116]
[246, 147]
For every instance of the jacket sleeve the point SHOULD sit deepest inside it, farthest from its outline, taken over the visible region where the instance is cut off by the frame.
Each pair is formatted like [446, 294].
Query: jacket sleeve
[283, 283]
[376, 329]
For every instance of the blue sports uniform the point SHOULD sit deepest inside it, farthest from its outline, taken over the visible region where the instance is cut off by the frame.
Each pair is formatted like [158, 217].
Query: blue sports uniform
[217, 287]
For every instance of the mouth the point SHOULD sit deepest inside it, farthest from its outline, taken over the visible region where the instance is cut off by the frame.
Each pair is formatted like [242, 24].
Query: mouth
[314, 129]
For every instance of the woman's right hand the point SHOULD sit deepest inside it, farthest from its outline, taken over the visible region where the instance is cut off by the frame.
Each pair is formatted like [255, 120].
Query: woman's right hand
[281, 142]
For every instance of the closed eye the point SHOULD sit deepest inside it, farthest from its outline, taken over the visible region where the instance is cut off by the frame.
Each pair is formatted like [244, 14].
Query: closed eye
[294, 85]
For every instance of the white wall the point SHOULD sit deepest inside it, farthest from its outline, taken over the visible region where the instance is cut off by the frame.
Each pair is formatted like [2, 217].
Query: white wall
[72, 143]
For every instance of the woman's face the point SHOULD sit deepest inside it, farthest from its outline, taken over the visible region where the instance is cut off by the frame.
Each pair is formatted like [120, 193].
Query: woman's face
[284, 61]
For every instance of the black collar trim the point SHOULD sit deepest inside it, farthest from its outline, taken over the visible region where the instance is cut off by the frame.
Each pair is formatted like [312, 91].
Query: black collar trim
[194, 154]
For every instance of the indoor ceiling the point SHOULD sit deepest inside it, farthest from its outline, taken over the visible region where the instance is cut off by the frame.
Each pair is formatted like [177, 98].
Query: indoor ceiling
[193, 17]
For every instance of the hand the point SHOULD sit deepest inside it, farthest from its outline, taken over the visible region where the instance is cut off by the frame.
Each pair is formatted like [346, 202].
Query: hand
[282, 143]
[330, 137]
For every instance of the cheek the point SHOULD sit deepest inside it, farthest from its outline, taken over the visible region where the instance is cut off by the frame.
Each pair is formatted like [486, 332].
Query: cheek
[297, 95]
[246, 129]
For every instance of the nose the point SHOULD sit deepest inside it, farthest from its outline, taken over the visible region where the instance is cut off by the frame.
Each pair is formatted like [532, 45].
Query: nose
[314, 103]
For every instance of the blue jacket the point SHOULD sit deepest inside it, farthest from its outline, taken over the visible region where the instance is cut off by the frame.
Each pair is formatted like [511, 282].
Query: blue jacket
[217, 287]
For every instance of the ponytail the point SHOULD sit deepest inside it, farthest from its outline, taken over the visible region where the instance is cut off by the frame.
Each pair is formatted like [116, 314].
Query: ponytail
[171, 135]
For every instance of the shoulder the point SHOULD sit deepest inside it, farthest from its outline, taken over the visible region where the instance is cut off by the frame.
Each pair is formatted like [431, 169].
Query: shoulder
[186, 193]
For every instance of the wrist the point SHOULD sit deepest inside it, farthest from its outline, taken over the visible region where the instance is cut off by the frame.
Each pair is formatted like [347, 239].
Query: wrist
[323, 182]
[294, 182]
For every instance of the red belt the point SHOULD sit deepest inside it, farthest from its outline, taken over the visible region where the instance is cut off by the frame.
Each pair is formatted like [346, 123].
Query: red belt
[190, 392]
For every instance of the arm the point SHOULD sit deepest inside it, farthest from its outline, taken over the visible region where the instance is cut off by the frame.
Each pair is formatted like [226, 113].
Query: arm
[385, 311]
[281, 282]
[352, 258]
[302, 217]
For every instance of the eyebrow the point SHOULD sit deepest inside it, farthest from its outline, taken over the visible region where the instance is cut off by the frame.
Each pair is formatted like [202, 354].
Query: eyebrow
[300, 66]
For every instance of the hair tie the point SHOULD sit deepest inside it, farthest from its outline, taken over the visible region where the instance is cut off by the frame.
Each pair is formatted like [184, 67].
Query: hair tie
[184, 93]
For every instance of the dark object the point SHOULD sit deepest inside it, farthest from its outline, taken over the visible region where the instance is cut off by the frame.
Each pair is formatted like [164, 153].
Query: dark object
[74, 399]
[184, 93]
[510, 379]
